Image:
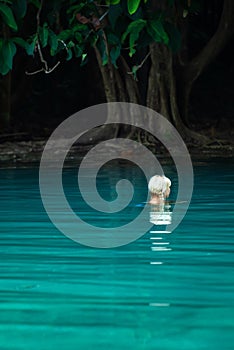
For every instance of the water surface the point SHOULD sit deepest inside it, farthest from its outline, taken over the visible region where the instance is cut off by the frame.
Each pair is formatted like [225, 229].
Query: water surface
[163, 291]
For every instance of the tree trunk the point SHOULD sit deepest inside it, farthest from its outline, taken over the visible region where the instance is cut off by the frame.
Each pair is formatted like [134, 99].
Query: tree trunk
[119, 86]
[170, 79]
[190, 71]
[5, 101]
[162, 91]
[5, 89]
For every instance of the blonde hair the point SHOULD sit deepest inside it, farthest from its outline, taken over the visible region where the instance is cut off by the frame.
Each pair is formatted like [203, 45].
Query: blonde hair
[158, 185]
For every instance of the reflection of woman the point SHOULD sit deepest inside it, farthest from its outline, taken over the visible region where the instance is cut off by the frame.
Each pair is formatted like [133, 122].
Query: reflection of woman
[159, 188]
[160, 214]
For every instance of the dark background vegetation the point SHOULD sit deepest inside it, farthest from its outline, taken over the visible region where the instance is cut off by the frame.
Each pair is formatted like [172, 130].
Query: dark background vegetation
[40, 102]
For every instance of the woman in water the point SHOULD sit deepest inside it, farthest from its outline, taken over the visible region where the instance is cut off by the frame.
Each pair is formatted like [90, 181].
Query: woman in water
[159, 188]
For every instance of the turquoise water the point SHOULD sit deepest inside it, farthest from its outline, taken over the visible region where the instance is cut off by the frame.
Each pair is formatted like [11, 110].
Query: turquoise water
[163, 291]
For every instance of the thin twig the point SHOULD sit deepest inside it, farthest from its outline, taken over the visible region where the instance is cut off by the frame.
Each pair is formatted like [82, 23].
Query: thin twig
[38, 38]
[36, 72]
[41, 56]
[64, 44]
[50, 70]
[141, 64]
[104, 15]
[46, 68]
[39, 14]
[99, 19]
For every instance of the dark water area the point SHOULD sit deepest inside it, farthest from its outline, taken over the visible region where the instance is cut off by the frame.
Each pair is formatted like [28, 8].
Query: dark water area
[162, 291]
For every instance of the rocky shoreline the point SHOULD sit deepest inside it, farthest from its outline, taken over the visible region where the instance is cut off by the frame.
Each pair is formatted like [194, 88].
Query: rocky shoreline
[28, 153]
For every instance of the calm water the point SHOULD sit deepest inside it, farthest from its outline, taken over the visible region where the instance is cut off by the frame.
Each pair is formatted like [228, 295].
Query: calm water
[163, 291]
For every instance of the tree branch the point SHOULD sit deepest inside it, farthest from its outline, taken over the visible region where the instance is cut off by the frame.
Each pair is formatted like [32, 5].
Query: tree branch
[107, 77]
[223, 34]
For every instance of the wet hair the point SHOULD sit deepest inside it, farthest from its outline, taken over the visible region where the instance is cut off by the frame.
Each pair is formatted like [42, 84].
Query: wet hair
[158, 185]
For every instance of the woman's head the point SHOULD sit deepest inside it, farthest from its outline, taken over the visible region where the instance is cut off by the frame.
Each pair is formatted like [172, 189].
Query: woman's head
[159, 186]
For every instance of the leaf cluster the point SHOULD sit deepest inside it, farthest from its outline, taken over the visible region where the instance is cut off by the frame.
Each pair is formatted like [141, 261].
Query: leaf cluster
[73, 26]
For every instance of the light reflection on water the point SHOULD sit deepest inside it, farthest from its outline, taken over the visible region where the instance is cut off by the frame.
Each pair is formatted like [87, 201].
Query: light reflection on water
[164, 291]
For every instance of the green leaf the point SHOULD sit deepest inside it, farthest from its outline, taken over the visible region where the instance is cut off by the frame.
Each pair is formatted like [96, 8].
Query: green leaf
[114, 13]
[8, 16]
[114, 54]
[76, 8]
[134, 72]
[69, 54]
[44, 34]
[53, 41]
[4, 69]
[133, 6]
[115, 43]
[84, 59]
[101, 45]
[31, 46]
[20, 8]
[133, 31]
[112, 2]
[65, 35]
[78, 50]
[185, 13]
[8, 51]
[36, 3]
[175, 39]
[79, 27]
[113, 39]
[156, 30]
[20, 42]
[70, 44]
[78, 37]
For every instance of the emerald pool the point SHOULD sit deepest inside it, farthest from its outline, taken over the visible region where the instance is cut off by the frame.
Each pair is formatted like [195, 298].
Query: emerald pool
[163, 291]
